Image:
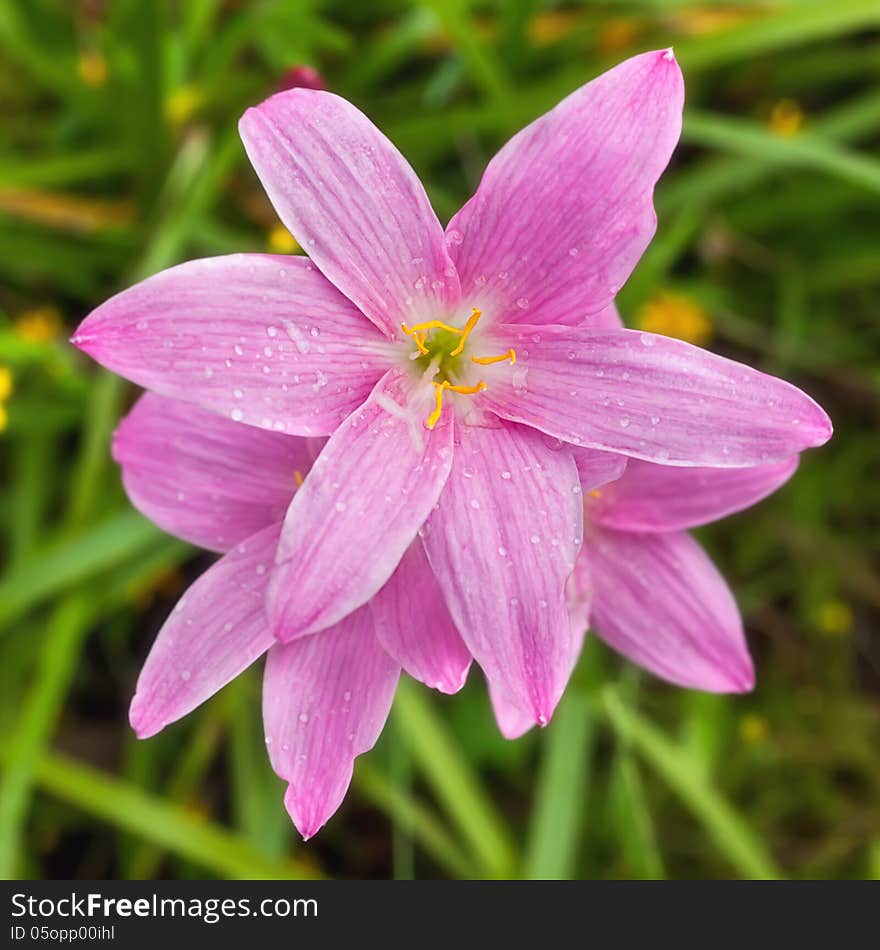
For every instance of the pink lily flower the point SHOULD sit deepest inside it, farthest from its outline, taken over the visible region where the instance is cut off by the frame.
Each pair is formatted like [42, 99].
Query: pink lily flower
[653, 594]
[225, 487]
[439, 363]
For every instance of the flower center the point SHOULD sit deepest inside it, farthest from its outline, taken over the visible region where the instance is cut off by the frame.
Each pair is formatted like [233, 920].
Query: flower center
[441, 348]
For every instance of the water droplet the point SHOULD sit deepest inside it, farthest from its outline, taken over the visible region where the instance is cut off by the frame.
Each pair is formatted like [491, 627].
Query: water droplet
[573, 251]
[624, 422]
[238, 350]
[535, 539]
[506, 475]
[467, 472]
[474, 504]
[185, 674]
[237, 415]
[303, 717]
[522, 303]
[502, 551]
[340, 506]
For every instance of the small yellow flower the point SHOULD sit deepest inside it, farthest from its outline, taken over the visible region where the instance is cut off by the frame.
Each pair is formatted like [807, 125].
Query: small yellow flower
[40, 325]
[91, 67]
[677, 315]
[553, 25]
[786, 118]
[753, 729]
[835, 618]
[5, 383]
[281, 241]
[182, 104]
[617, 34]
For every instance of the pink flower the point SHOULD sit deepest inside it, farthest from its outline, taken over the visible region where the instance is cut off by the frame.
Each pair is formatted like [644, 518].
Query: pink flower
[650, 590]
[440, 363]
[326, 697]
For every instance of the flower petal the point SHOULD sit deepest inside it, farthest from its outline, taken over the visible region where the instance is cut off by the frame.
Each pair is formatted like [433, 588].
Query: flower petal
[204, 478]
[596, 469]
[659, 600]
[664, 498]
[512, 721]
[414, 626]
[325, 701]
[564, 210]
[652, 397]
[260, 338]
[217, 629]
[368, 493]
[353, 203]
[502, 542]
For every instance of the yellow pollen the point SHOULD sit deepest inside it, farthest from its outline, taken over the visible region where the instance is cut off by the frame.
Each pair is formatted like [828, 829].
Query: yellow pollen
[595, 493]
[439, 389]
[488, 360]
[298, 478]
[472, 321]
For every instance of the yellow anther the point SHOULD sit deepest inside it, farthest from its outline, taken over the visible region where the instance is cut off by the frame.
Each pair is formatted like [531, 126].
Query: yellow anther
[488, 360]
[595, 493]
[433, 419]
[298, 478]
[429, 325]
[419, 340]
[467, 390]
[472, 321]
[439, 389]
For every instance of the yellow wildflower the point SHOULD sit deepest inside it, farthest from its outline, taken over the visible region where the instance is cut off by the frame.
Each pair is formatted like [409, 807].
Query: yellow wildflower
[753, 729]
[677, 315]
[835, 618]
[786, 118]
[40, 325]
[281, 241]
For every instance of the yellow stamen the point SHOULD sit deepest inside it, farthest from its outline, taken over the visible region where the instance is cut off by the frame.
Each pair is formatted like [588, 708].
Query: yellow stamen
[467, 390]
[488, 360]
[430, 325]
[439, 389]
[298, 478]
[472, 321]
[433, 419]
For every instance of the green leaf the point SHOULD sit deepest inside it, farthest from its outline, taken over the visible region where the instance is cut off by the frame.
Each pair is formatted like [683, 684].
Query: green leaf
[736, 841]
[561, 790]
[456, 786]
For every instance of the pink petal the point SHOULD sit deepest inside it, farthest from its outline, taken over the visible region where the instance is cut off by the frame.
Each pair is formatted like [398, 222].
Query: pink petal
[502, 543]
[564, 210]
[204, 478]
[664, 498]
[512, 721]
[368, 493]
[414, 626]
[607, 319]
[353, 203]
[596, 469]
[659, 600]
[325, 701]
[260, 338]
[652, 397]
[217, 629]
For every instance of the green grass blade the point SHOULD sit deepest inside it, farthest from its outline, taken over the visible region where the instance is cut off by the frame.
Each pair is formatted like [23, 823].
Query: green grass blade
[62, 565]
[734, 838]
[167, 826]
[456, 786]
[561, 790]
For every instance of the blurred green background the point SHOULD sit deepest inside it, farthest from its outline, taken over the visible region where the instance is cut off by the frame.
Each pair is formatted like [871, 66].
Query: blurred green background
[119, 156]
